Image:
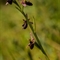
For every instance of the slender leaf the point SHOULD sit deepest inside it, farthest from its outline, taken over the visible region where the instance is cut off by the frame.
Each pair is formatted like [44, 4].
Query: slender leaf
[29, 54]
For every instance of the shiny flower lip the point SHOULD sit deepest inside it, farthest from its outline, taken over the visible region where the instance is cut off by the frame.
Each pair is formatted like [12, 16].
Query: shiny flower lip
[31, 41]
[25, 24]
[31, 44]
[28, 3]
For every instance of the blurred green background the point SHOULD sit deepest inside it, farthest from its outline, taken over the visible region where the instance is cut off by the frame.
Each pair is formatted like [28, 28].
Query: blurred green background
[14, 39]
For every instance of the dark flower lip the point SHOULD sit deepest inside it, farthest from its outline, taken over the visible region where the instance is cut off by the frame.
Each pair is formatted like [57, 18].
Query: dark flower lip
[31, 42]
[31, 45]
[25, 24]
[9, 1]
[28, 3]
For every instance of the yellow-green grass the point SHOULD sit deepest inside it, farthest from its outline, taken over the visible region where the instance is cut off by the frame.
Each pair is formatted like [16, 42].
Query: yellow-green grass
[14, 39]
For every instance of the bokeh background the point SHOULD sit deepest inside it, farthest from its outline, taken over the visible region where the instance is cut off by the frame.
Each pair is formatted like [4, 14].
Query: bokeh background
[14, 39]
